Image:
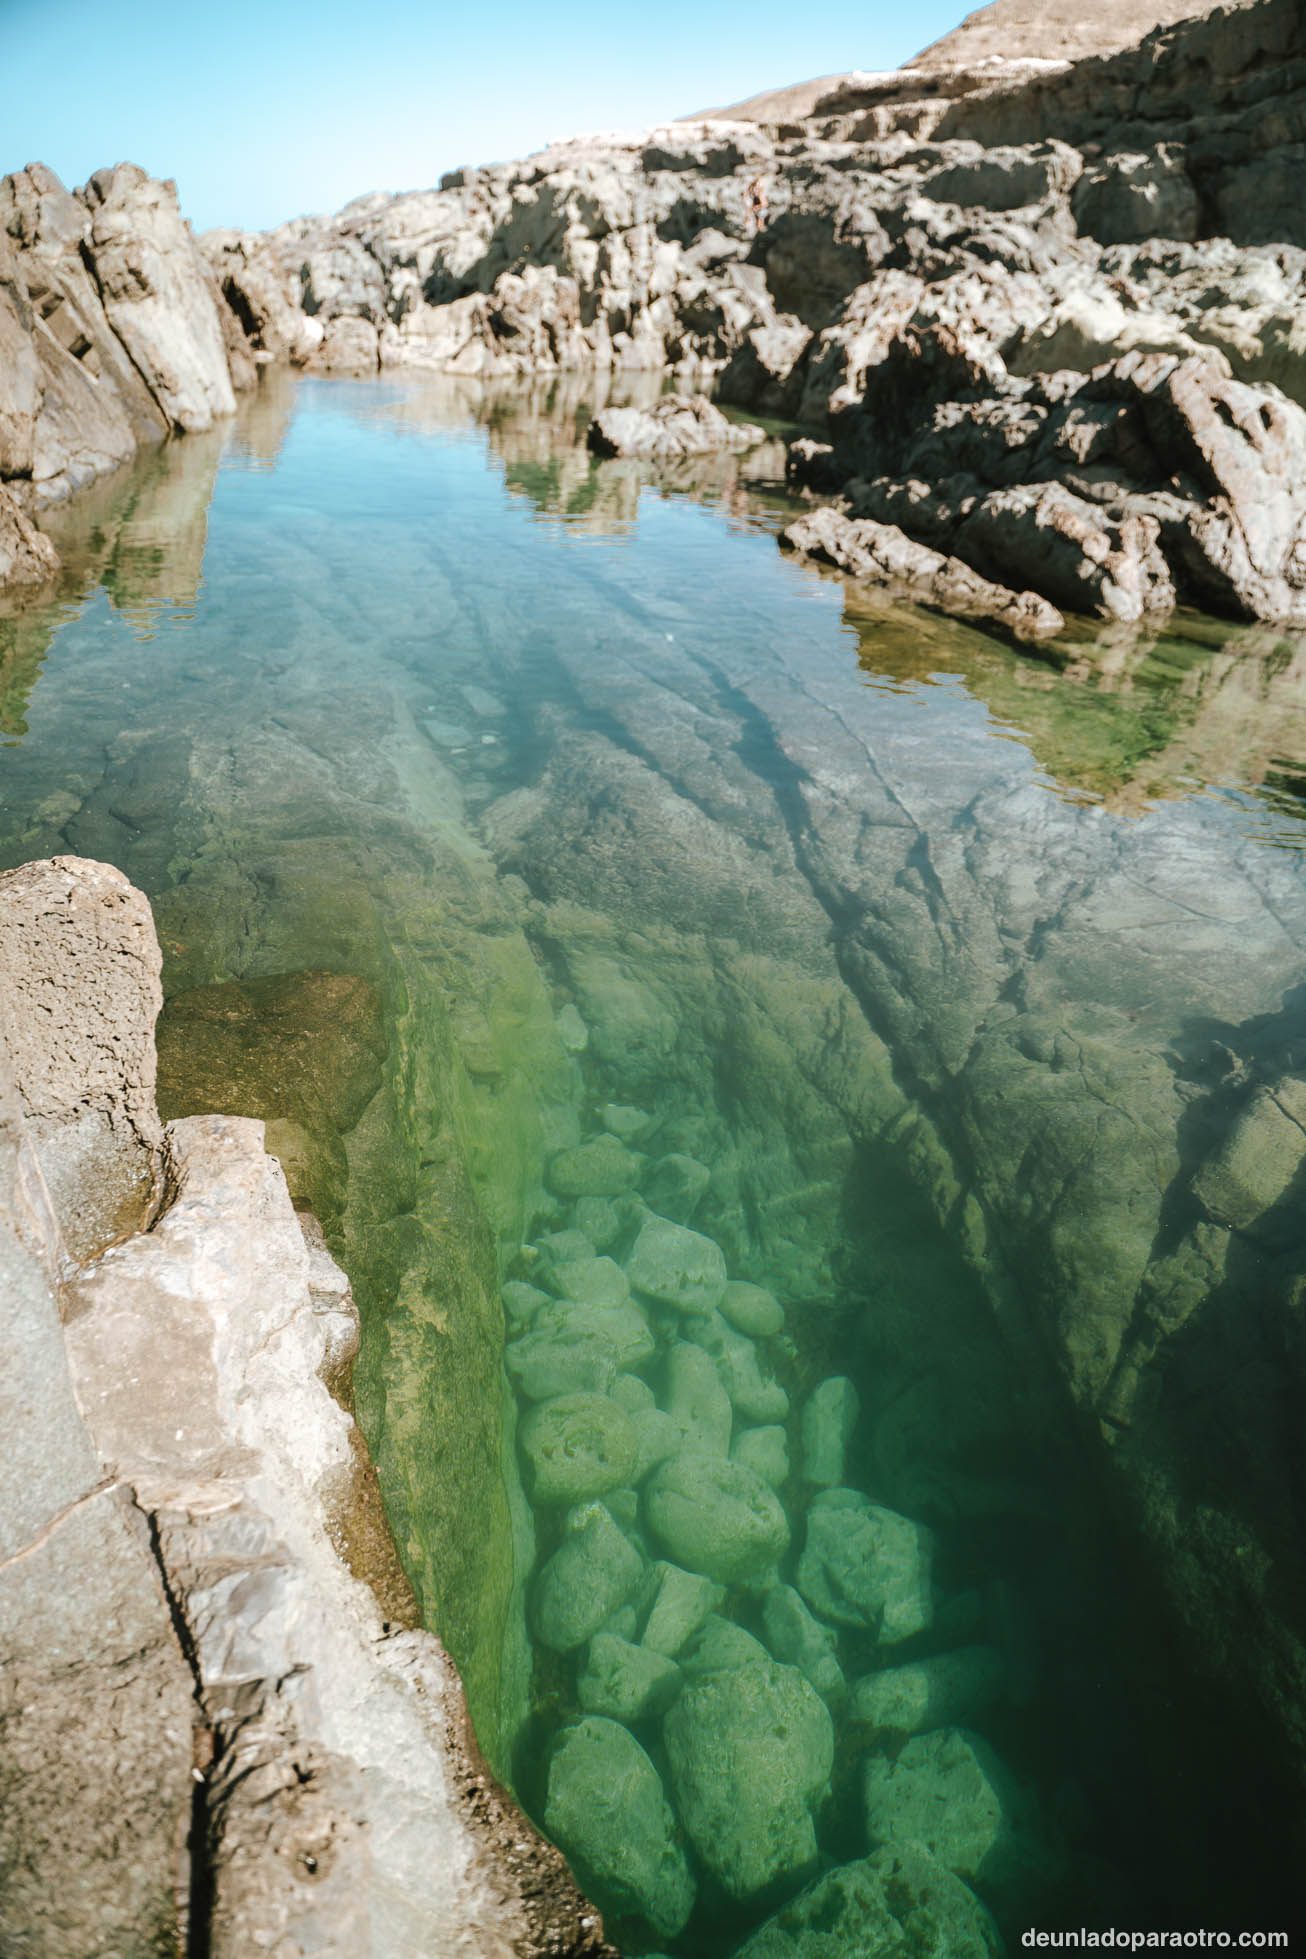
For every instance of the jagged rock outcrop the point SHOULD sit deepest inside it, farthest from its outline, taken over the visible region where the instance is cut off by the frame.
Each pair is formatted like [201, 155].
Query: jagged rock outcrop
[672, 427]
[112, 333]
[205, 1708]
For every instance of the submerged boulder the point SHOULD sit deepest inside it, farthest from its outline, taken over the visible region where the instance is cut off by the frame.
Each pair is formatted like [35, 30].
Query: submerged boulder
[594, 1571]
[683, 1602]
[750, 1747]
[679, 1267]
[716, 1517]
[931, 1693]
[581, 1445]
[829, 1419]
[607, 1809]
[601, 1168]
[863, 1565]
[572, 1348]
[627, 1682]
[898, 1904]
[798, 1639]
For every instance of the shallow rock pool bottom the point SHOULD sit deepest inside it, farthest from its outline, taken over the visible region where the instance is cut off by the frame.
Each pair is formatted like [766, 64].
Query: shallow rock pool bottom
[828, 1056]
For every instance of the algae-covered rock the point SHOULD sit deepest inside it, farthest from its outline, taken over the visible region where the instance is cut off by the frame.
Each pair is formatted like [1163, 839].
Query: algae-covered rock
[581, 1445]
[682, 1603]
[750, 1748]
[932, 1693]
[951, 1792]
[765, 1451]
[627, 1682]
[601, 1168]
[572, 1348]
[680, 1267]
[599, 1219]
[675, 1186]
[521, 1302]
[895, 1904]
[798, 1639]
[594, 1571]
[866, 1566]
[752, 1309]
[720, 1646]
[657, 1438]
[716, 1517]
[828, 1423]
[696, 1401]
[607, 1810]
[632, 1394]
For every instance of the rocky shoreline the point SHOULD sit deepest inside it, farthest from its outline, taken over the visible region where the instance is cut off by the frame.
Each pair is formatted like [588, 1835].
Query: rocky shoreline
[1044, 318]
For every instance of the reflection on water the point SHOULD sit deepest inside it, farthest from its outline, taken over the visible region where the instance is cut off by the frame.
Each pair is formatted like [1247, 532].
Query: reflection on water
[810, 1101]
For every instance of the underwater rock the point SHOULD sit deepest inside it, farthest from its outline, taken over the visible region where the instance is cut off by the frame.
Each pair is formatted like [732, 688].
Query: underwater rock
[606, 1808]
[716, 1517]
[765, 1451]
[632, 1393]
[572, 1031]
[684, 1601]
[521, 1302]
[752, 1309]
[601, 1168]
[720, 1645]
[581, 1445]
[557, 1248]
[680, 1267]
[738, 1369]
[893, 1903]
[866, 1566]
[797, 1639]
[674, 1187]
[696, 1401]
[1259, 1158]
[599, 1219]
[627, 1682]
[657, 1438]
[828, 1423]
[590, 1576]
[572, 1348]
[750, 1748]
[933, 1693]
[951, 1792]
[624, 1121]
[592, 1281]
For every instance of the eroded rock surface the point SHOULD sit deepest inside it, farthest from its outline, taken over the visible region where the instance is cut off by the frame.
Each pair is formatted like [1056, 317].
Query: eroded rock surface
[205, 1708]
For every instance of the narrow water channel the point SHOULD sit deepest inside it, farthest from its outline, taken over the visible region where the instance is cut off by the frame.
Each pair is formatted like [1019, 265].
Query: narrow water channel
[810, 1101]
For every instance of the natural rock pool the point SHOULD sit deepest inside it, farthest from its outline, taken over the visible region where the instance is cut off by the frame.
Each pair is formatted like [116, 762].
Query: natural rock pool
[811, 1103]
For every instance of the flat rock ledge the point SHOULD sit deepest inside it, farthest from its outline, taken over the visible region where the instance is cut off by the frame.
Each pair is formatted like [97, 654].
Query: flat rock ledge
[218, 1731]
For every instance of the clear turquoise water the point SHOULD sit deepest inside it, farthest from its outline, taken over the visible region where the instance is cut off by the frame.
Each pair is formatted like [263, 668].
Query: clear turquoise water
[949, 969]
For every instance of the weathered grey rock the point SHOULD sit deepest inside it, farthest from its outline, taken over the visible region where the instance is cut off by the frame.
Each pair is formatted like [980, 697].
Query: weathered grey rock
[765, 1450]
[829, 1419]
[750, 1749]
[1258, 1160]
[680, 1267]
[158, 294]
[696, 1401]
[1130, 196]
[347, 346]
[862, 1565]
[716, 1517]
[594, 1571]
[27, 556]
[951, 1792]
[796, 1638]
[894, 1902]
[752, 1309]
[885, 555]
[602, 1168]
[579, 1446]
[629, 1683]
[675, 426]
[607, 1809]
[934, 1693]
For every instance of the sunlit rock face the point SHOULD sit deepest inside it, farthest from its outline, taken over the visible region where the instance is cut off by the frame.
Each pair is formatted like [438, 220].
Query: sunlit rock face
[806, 1099]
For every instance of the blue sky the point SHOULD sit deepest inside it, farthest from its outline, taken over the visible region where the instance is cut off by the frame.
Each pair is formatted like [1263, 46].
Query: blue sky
[265, 112]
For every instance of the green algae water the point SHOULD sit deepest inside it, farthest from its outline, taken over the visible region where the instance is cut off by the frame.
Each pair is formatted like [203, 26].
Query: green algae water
[811, 1104]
